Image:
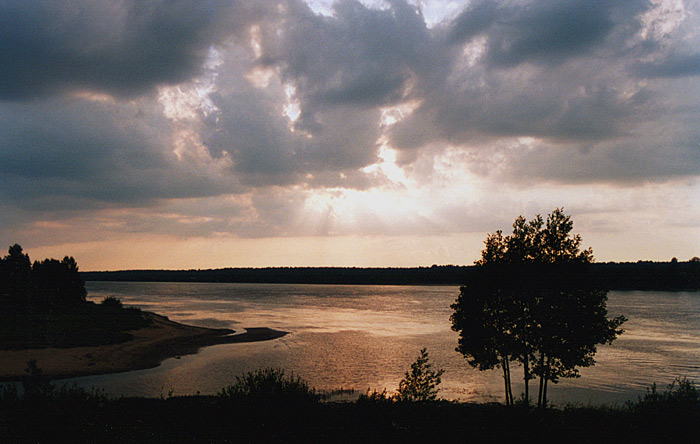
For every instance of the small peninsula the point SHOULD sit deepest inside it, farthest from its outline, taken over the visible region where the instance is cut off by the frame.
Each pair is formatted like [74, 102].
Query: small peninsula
[150, 345]
[46, 318]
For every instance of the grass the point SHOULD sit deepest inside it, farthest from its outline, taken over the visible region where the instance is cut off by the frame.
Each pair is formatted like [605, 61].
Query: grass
[291, 412]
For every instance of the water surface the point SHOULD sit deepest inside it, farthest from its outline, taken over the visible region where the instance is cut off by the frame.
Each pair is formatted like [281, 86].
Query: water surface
[367, 336]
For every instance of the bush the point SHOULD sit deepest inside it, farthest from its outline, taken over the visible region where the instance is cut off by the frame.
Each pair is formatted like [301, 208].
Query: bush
[111, 302]
[681, 396]
[35, 383]
[374, 397]
[269, 385]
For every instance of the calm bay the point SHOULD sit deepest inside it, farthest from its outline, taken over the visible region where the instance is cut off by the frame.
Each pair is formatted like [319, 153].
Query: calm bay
[364, 337]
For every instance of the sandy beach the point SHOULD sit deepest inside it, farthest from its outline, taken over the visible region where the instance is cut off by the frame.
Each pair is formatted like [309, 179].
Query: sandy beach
[162, 339]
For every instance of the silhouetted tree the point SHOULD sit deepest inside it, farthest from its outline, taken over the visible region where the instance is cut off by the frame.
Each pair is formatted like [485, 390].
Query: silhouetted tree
[15, 279]
[420, 384]
[57, 283]
[532, 299]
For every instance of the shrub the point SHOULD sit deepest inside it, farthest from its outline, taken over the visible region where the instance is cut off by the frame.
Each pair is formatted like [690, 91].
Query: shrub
[681, 396]
[35, 383]
[269, 385]
[112, 302]
[375, 397]
[421, 383]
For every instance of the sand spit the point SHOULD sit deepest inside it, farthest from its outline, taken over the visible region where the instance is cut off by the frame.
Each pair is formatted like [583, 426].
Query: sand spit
[162, 339]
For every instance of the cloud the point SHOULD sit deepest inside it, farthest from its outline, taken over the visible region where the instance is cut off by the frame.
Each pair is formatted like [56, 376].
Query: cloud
[673, 66]
[124, 48]
[553, 31]
[559, 73]
[78, 154]
[359, 56]
[265, 118]
[627, 162]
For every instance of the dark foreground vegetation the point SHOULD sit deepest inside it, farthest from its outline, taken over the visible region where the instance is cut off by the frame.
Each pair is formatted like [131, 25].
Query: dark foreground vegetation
[642, 275]
[269, 407]
[43, 305]
[84, 325]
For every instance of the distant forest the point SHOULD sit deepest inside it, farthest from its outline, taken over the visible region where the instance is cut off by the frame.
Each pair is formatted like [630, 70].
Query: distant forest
[642, 275]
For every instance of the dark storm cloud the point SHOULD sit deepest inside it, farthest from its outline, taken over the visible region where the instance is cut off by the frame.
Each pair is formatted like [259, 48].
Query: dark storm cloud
[628, 162]
[513, 82]
[86, 154]
[552, 31]
[295, 99]
[474, 20]
[559, 71]
[548, 31]
[555, 70]
[360, 56]
[673, 66]
[342, 70]
[250, 126]
[120, 47]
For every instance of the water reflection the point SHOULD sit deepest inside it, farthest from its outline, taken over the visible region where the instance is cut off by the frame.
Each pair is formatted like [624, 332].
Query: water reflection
[367, 336]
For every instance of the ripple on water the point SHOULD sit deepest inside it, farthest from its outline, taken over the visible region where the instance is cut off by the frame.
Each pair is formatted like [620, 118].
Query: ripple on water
[367, 336]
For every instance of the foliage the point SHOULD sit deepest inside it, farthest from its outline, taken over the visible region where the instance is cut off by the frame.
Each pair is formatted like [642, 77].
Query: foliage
[682, 396]
[43, 286]
[641, 275]
[87, 324]
[35, 383]
[57, 284]
[375, 397]
[43, 305]
[533, 299]
[267, 386]
[111, 302]
[15, 279]
[420, 384]
[78, 416]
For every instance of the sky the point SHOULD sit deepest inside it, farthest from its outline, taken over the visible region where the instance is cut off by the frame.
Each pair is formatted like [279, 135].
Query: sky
[179, 134]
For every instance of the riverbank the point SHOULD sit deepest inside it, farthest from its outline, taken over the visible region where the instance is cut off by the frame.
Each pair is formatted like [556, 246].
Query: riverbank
[150, 345]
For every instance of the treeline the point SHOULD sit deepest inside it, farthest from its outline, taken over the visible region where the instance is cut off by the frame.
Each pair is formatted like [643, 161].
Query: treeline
[42, 304]
[674, 275]
[436, 275]
[45, 285]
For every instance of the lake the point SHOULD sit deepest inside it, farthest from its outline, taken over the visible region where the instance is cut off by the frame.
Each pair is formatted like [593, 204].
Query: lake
[367, 336]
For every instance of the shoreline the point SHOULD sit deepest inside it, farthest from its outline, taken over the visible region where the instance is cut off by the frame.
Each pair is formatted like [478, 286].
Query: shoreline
[149, 347]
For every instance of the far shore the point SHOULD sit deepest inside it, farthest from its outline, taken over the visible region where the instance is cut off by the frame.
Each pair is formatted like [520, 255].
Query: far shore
[150, 346]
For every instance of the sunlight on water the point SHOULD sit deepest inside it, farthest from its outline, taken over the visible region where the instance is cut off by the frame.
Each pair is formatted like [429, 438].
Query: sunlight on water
[367, 336]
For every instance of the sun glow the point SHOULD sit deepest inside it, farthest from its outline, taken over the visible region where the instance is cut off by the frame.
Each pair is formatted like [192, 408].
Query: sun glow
[189, 101]
[292, 108]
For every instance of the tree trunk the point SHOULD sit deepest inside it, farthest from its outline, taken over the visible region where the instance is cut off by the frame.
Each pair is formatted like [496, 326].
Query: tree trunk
[546, 380]
[510, 386]
[543, 378]
[526, 371]
[505, 381]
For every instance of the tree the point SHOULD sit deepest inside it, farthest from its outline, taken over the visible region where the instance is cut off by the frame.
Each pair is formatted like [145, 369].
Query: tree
[57, 284]
[15, 279]
[533, 299]
[420, 384]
